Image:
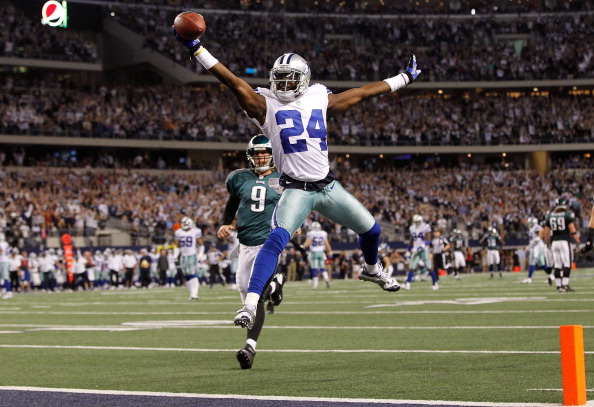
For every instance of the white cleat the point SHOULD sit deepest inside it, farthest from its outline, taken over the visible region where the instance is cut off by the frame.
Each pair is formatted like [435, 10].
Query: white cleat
[380, 278]
[245, 317]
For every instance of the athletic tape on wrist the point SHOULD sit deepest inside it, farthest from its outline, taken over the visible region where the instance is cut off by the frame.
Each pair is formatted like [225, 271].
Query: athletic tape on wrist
[205, 58]
[398, 81]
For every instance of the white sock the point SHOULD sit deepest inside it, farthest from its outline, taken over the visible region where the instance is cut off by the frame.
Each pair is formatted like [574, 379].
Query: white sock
[252, 343]
[194, 287]
[252, 299]
[372, 268]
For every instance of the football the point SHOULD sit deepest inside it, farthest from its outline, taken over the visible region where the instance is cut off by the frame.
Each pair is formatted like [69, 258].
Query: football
[189, 25]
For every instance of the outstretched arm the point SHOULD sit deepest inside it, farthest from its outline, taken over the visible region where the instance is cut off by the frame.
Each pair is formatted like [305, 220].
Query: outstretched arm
[253, 103]
[338, 103]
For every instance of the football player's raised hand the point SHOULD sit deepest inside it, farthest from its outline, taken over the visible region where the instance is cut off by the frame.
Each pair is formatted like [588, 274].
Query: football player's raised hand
[192, 45]
[411, 68]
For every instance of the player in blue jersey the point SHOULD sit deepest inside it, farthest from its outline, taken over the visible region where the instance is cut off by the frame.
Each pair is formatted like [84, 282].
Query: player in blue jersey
[253, 199]
[292, 114]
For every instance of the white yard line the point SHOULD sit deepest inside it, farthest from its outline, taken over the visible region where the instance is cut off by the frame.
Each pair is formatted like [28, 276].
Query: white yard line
[152, 349]
[361, 312]
[281, 398]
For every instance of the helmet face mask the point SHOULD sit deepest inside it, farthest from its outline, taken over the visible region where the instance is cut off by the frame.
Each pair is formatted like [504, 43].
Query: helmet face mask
[532, 222]
[259, 162]
[186, 223]
[289, 77]
[316, 226]
[417, 219]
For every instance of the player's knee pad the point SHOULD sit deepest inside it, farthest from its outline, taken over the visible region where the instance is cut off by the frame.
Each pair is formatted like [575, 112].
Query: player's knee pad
[557, 273]
[566, 271]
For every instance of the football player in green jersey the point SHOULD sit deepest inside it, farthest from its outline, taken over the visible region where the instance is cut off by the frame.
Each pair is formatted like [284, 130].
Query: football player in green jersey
[253, 198]
[560, 229]
[493, 242]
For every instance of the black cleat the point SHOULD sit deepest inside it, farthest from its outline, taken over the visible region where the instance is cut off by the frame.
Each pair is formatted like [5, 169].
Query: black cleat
[245, 357]
[277, 296]
[269, 308]
[568, 289]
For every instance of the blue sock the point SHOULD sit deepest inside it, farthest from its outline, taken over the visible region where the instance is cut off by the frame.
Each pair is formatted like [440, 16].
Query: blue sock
[531, 271]
[434, 277]
[267, 259]
[369, 242]
[410, 276]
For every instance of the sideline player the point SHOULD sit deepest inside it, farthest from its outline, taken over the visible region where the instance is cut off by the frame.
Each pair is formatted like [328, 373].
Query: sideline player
[536, 249]
[253, 199]
[319, 246]
[493, 242]
[189, 240]
[293, 115]
[440, 245]
[558, 231]
[458, 243]
[590, 236]
[420, 233]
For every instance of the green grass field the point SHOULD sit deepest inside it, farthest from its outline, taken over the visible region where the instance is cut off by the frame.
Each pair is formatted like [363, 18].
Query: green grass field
[473, 340]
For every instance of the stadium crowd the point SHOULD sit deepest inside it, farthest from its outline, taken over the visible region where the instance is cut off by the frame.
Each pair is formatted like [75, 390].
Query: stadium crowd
[80, 201]
[481, 48]
[31, 107]
[380, 6]
[24, 37]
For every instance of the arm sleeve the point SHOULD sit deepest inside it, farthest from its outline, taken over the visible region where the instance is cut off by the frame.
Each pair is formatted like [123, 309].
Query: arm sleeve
[230, 210]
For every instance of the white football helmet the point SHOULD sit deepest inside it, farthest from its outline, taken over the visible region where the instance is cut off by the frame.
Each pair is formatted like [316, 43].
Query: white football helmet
[493, 231]
[417, 219]
[259, 143]
[532, 221]
[289, 77]
[186, 223]
[316, 226]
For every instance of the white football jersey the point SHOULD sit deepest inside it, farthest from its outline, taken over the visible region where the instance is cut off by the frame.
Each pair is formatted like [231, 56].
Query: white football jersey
[297, 132]
[418, 234]
[534, 232]
[534, 238]
[187, 240]
[5, 247]
[317, 238]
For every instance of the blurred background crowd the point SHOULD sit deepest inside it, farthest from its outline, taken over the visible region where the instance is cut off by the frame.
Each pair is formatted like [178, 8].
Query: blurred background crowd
[76, 128]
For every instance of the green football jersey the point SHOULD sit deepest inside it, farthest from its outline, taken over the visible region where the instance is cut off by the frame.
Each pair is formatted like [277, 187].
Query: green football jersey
[458, 243]
[257, 200]
[493, 242]
[559, 224]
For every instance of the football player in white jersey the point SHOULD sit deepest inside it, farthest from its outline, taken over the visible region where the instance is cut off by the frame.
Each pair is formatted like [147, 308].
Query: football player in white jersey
[292, 114]
[420, 233]
[536, 249]
[319, 246]
[189, 240]
[590, 236]
[4, 267]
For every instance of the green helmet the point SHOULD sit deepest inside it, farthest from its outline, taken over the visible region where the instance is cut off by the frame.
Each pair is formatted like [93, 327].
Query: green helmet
[259, 143]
